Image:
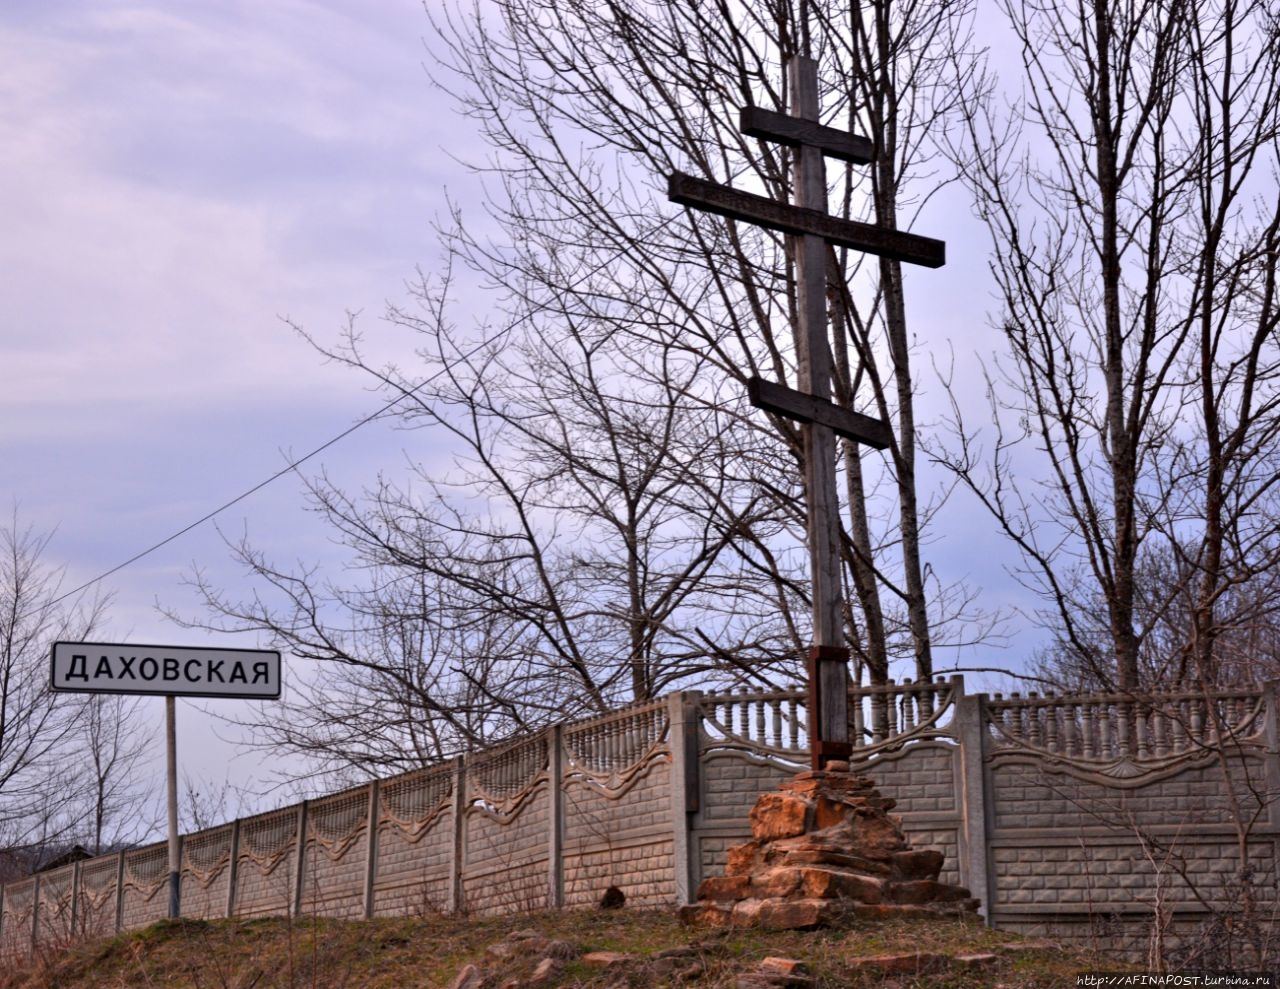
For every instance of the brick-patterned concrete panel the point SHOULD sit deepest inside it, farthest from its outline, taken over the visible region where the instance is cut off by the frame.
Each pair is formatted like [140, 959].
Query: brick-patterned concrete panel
[922, 778]
[205, 897]
[731, 784]
[592, 819]
[264, 889]
[1028, 797]
[333, 879]
[506, 859]
[643, 871]
[144, 906]
[1100, 877]
[412, 875]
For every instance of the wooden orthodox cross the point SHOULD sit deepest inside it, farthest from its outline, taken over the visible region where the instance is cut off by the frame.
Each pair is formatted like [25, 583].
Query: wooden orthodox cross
[813, 227]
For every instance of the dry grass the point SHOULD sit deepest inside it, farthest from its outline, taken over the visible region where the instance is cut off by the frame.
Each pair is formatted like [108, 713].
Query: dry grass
[313, 953]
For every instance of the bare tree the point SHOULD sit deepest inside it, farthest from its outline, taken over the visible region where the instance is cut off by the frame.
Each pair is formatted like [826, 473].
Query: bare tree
[1130, 201]
[38, 730]
[618, 521]
[116, 802]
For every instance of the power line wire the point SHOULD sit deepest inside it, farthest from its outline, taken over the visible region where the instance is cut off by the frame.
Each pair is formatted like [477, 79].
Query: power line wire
[288, 468]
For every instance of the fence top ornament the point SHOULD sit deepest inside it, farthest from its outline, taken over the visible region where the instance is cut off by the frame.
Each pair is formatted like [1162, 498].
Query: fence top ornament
[1125, 740]
[772, 724]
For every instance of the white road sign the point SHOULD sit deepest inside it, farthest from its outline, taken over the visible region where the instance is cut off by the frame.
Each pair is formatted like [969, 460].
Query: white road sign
[187, 671]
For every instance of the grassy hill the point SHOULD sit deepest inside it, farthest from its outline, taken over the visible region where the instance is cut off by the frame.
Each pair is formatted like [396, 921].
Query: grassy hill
[596, 949]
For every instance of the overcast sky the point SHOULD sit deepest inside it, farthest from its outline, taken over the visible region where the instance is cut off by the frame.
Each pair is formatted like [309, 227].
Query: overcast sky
[178, 179]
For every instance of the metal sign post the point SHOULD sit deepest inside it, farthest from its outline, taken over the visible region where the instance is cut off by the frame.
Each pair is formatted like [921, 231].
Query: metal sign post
[172, 671]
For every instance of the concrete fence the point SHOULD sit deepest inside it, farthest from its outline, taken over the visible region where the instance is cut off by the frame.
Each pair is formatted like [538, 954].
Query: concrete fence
[1089, 817]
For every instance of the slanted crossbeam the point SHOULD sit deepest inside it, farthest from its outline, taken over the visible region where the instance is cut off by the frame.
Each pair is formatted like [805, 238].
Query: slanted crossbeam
[724, 200]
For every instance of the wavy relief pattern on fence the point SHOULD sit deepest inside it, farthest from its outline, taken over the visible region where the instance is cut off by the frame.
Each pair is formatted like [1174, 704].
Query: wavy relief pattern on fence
[146, 873]
[56, 918]
[611, 753]
[336, 823]
[265, 864]
[1124, 741]
[16, 917]
[335, 854]
[97, 907]
[205, 856]
[415, 842]
[616, 778]
[506, 820]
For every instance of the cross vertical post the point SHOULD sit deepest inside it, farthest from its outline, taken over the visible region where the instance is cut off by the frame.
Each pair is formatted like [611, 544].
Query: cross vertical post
[828, 657]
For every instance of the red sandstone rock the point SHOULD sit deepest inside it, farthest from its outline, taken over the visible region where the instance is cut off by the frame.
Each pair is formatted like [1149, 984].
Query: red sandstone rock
[778, 815]
[742, 860]
[917, 863]
[783, 966]
[926, 891]
[919, 963]
[775, 882]
[822, 848]
[825, 856]
[605, 959]
[833, 884]
[724, 887]
[783, 915]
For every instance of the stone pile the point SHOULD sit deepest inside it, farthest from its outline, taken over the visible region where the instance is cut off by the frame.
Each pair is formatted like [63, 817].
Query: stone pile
[823, 847]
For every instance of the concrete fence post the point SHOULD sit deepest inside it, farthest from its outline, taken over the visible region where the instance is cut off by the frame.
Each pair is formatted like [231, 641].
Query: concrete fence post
[555, 851]
[371, 848]
[682, 738]
[299, 853]
[35, 914]
[458, 828]
[120, 891]
[1271, 694]
[75, 898]
[975, 858]
[233, 868]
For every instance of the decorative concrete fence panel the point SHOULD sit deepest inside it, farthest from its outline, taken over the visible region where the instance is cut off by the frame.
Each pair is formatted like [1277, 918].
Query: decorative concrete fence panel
[507, 817]
[1119, 817]
[17, 918]
[206, 873]
[98, 895]
[335, 855]
[615, 777]
[144, 896]
[266, 865]
[416, 843]
[55, 901]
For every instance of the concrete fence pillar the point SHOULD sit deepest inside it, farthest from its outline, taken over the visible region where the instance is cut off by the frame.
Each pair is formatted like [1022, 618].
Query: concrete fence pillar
[120, 891]
[682, 738]
[975, 859]
[233, 868]
[299, 854]
[555, 816]
[458, 828]
[75, 899]
[35, 914]
[371, 848]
